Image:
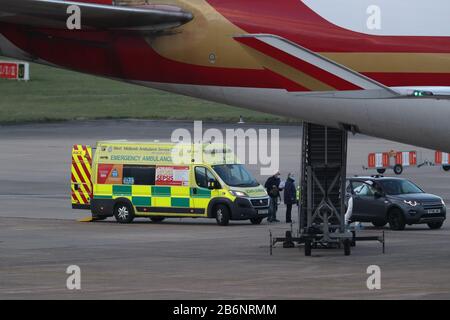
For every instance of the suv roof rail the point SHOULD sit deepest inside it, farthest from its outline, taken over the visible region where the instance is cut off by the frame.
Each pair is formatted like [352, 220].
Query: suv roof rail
[377, 176]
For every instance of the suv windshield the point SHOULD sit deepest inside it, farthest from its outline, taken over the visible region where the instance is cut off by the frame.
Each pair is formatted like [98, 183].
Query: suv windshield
[396, 187]
[235, 175]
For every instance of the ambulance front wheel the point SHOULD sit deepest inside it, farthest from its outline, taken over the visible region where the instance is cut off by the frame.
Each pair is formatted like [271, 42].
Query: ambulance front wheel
[398, 169]
[222, 214]
[123, 213]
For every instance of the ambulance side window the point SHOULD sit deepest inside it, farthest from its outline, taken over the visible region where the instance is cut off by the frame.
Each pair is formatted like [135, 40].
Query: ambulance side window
[202, 176]
[139, 175]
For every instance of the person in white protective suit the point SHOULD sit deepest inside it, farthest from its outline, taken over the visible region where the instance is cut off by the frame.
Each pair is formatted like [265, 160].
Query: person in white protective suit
[349, 212]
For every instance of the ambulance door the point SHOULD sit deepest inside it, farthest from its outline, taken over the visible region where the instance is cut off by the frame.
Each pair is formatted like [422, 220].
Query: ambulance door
[200, 192]
[81, 182]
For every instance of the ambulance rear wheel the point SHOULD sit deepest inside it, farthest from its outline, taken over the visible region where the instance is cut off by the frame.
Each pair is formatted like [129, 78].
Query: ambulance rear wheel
[222, 214]
[381, 171]
[446, 168]
[157, 219]
[123, 213]
[398, 169]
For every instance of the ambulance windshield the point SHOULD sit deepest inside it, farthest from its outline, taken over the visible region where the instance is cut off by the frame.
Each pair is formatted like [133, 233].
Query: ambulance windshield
[235, 175]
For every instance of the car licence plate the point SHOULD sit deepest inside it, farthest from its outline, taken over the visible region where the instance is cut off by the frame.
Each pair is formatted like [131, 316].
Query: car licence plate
[431, 211]
[264, 211]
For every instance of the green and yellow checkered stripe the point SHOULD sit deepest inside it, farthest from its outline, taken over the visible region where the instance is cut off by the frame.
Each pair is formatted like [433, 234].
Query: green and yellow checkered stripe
[170, 199]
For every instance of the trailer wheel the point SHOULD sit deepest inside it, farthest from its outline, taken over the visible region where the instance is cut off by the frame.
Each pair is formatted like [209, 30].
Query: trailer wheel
[347, 247]
[222, 214]
[308, 247]
[123, 213]
[398, 169]
[381, 171]
[446, 168]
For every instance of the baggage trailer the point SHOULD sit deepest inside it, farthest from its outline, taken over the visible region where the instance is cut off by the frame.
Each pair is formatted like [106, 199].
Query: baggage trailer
[395, 160]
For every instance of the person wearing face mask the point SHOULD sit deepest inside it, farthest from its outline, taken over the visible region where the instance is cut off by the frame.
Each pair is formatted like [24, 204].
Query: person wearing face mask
[290, 196]
[272, 186]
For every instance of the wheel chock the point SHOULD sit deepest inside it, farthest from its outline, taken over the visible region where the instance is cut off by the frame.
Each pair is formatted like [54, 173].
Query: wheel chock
[86, 219]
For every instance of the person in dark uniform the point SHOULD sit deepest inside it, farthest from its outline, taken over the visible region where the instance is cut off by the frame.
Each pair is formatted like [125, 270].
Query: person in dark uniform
[272, 186]
[290, 196]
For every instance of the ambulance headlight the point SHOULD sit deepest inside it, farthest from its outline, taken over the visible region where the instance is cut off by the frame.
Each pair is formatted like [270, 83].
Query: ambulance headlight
[235, 193]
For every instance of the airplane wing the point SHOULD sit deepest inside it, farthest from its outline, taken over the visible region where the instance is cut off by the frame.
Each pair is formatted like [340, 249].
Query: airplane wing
[54, 14]
[348, 83]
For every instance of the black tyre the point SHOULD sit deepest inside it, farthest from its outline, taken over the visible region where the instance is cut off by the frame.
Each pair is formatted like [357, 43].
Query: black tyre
[381, 171]
[123, 213]
[308, 248]
[288, 243]
[398, 169]
[396, 220]
[222, 214]
[256, 220]
[157, 219]
[435, 225]
[446, 168]
[347, 247]
[379, 224]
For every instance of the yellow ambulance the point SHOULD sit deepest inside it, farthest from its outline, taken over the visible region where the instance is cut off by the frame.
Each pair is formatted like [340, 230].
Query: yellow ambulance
[164, 180]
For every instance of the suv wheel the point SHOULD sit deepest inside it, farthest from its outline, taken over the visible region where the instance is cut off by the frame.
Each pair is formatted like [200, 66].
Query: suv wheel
[435, 225]
[222, 214]
[396, 220]
[123, 213]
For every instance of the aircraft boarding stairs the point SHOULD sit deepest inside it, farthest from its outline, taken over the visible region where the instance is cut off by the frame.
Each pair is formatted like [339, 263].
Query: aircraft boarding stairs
[323, 181]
